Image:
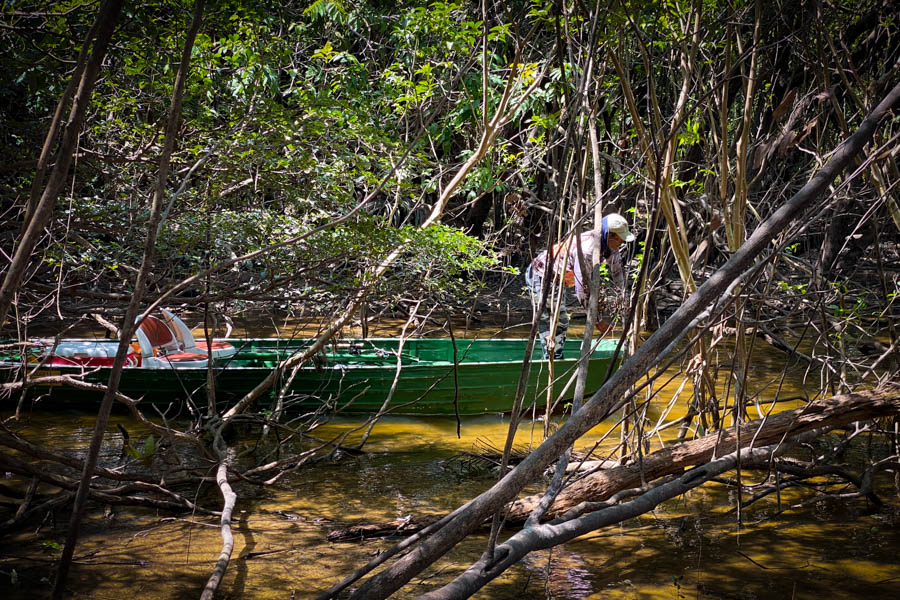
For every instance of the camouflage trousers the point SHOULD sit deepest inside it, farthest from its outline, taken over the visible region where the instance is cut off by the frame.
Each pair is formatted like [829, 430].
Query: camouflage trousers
[534, 282]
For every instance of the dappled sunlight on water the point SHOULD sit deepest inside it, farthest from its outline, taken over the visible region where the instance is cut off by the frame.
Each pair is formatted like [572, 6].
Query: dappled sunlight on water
[690, 547]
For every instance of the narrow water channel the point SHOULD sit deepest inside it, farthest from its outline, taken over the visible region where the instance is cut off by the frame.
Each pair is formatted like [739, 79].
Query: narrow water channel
[690, 547]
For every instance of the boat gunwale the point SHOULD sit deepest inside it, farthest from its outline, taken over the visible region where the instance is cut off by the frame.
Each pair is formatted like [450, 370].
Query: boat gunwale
[598, 354]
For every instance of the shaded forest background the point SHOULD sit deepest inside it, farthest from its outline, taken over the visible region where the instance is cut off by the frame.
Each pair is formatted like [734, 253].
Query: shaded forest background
[294, 114]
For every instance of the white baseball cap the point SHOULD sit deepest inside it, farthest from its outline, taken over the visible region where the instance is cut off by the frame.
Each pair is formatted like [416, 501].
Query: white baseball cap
[617, 224]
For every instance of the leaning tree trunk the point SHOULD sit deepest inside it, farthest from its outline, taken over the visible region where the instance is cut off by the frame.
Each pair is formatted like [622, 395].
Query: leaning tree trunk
[609, 397]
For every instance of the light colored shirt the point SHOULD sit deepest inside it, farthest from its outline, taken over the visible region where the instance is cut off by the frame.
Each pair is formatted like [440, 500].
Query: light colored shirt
[566, 263]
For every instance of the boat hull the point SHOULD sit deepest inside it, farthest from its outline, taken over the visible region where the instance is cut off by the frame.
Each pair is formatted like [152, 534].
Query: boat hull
[353, 376]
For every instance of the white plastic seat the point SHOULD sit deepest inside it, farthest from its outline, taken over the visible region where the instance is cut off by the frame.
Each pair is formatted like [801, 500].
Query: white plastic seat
[160, 347]
[220, 348]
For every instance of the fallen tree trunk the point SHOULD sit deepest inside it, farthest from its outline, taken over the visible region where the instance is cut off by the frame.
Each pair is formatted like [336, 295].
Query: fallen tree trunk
[829, 413]
[548, 535]
[825, 414]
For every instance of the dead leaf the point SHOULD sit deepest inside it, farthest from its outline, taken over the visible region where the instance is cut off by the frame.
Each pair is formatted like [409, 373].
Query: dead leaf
[787, 141]
[785, 105]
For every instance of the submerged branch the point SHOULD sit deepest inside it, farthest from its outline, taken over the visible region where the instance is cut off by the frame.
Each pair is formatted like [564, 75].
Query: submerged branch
[602, 485]
[227, 536]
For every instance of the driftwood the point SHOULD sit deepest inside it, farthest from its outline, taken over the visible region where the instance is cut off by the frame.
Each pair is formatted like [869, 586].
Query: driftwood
[229, 500]
[825, 414]
[362, 531]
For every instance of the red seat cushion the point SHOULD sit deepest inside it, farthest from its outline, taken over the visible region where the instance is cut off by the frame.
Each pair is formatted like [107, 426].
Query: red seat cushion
[157, 332]
[89, 361]
[217, 345]
[184, 356]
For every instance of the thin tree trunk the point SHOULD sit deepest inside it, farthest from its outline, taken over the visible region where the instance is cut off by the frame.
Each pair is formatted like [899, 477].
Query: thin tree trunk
[34, 227]
[55, 123]
[735, 224]
[128, 326]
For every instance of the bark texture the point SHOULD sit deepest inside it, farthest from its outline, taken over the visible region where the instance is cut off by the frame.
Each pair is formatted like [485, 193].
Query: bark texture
[610, 396]
[825, 414]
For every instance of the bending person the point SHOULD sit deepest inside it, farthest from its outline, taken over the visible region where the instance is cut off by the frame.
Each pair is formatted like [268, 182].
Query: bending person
[563, 260]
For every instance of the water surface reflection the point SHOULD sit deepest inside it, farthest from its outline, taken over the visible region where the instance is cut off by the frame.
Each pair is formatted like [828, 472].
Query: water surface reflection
[690, 547]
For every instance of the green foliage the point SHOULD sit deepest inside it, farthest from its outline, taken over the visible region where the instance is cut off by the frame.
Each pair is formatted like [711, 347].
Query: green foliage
[893, 295]
[798, 289]
[327, 10]
[639, 259]
[690, 134]
[293, 113]
[143, 454]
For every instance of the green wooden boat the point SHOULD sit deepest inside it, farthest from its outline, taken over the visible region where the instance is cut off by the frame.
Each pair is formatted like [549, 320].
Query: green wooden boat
[436, 376]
